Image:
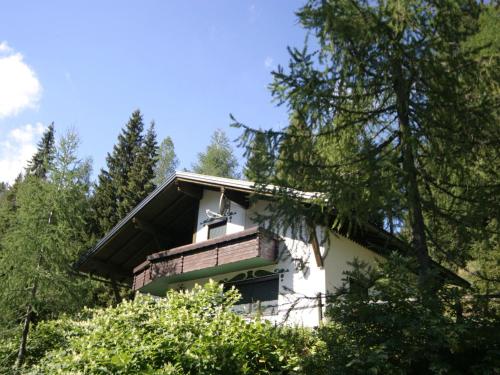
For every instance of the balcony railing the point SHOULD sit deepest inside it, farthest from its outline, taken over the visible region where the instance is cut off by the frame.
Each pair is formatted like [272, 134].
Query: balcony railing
[247, 249]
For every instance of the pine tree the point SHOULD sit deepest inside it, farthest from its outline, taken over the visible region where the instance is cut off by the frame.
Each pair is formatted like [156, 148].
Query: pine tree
[218, 159]
[41, 160]
[128, 177]
[393, 107]
[167, 161]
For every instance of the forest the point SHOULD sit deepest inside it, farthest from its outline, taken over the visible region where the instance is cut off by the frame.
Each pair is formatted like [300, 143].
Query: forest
[393, 116]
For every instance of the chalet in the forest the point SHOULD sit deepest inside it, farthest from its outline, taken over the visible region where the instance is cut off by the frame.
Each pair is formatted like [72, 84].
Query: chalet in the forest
[194, 228]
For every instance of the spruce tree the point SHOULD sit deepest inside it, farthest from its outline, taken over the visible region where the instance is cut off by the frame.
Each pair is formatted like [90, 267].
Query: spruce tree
[128, 176]
[218, 159]
[141, 175]
[391, 107]
[167, 161]
[257, 155]
[41, 160]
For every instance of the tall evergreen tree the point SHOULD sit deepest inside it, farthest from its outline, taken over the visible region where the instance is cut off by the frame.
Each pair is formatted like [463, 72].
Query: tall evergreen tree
[390, 104]
[41, 160]
[48, 230]
[128, 177]
[473, 247]
[141, 176]
[218, 159]
[167, 161]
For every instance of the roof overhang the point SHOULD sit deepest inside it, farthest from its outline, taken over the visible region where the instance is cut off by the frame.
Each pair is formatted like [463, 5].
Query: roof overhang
[165, 218]
[168, 216]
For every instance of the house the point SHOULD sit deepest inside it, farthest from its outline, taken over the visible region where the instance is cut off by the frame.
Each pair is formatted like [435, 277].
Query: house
[194, 228]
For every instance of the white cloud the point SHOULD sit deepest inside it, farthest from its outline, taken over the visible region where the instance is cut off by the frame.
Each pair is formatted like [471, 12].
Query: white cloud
[16, 148]
[19, 86]
[268, 62]
[4, 47]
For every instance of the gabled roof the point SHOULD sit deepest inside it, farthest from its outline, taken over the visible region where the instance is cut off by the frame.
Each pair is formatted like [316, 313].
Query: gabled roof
[168, 217]
[170, 211]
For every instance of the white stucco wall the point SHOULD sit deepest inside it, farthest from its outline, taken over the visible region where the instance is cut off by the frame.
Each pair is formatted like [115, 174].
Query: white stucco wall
[342, 251]
[301, 280]
[298, 288]
[210, 200]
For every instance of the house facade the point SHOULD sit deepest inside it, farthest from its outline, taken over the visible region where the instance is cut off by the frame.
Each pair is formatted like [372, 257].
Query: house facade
[194, 228]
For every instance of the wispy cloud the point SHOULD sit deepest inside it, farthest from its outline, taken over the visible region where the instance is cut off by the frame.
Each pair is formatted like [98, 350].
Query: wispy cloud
[19, 85]
[16, 148]
[268, 62]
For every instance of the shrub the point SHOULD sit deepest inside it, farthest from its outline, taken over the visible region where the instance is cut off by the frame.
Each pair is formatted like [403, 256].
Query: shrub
[390, 325]
[189, 332]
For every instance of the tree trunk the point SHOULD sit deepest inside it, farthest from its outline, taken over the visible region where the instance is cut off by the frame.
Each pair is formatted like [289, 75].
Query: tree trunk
[419, 240]
[21, 354]
[116, 291]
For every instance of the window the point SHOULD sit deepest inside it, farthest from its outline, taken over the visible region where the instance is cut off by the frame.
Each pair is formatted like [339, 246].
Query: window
[217, 229]
[257, 289]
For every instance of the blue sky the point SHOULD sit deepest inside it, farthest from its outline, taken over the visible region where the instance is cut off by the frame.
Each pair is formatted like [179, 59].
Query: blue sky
[185, 64]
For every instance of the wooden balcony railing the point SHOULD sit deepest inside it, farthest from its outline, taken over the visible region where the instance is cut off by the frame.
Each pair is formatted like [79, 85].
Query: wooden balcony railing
[250, 248]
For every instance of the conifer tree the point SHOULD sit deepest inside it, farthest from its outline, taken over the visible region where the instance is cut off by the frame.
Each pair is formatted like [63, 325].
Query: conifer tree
[167, 161]
[218, 159]
[391, 106]
[41, 160]
[47, 231]
[128, 177]
[257, 155]
[140, 178]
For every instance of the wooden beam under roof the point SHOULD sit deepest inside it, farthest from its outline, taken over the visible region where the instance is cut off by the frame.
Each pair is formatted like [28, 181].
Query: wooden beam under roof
[193, 191]
[315, 246]
[162, 239]
[110, 270]
[237, 197]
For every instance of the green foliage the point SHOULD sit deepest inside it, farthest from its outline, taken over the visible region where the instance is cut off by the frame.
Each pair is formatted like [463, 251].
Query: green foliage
[167, 161]
[192, 332]
[129, 175]
[394, 119]
[393, 328]
[385, 326]
[257, 155]
[47, 229]
[141, 174]
[40, 162]
[218, 159]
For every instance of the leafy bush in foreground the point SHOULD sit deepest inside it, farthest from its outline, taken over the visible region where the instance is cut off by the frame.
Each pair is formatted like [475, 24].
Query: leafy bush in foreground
[389, 325]
[191, 332]
[385, 325]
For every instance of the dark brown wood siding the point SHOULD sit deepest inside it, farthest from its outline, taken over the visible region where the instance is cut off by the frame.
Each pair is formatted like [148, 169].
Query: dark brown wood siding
[248, 244]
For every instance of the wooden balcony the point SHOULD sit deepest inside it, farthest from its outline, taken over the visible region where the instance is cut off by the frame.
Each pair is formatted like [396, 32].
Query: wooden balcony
[247, 249]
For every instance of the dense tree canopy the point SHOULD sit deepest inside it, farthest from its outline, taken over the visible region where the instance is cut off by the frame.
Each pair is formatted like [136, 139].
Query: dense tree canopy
[129, 174]
[48, 229]
[393, 117]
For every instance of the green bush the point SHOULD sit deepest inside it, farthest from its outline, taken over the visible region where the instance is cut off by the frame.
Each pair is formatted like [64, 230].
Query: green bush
[387, 324]
[189, 332]
[384, 324]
